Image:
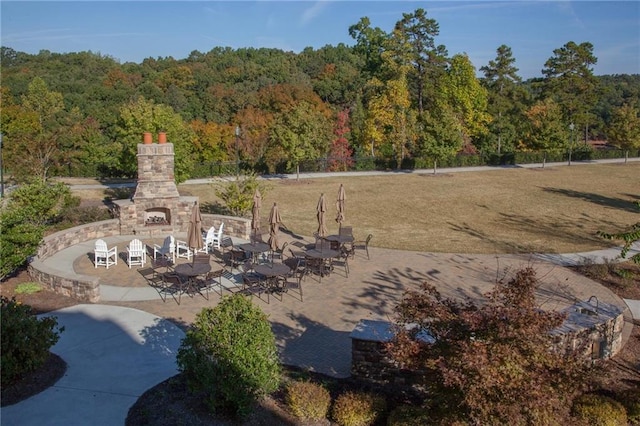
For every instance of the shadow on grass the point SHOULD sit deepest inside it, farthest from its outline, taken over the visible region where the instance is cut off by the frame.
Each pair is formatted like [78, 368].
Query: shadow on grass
[556, 230]
[601, 200]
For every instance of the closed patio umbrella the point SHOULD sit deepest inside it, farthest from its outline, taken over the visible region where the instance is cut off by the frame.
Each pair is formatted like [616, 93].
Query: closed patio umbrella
[321, 209]
[255, 211]
[274, 227]
[342, 196]
[194, 236]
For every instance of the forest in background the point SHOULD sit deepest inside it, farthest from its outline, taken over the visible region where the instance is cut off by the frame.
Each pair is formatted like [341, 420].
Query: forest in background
[391, 100]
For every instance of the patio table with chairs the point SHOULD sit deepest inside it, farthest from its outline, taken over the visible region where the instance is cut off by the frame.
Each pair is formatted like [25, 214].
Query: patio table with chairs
[254, 249]
[191, 271]
[274, 273]
[343, 242]
[319, 260]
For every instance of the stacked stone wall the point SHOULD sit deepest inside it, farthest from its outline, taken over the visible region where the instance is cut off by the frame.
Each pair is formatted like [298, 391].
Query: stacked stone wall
[599, 334]
[86, 287]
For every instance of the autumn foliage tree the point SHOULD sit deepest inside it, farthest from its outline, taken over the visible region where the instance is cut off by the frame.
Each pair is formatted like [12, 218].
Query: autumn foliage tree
[340, 154]
[494, 363]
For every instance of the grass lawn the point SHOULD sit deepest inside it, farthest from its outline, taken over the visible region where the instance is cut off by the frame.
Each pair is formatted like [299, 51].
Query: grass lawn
[553, 210]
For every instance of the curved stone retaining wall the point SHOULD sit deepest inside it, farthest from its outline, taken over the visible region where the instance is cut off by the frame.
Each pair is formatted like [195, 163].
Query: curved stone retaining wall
[62, 279]
[598, 330]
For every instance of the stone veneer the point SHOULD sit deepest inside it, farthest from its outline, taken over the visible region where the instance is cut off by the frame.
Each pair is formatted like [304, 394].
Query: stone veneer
[64, 281]
[86, 288]
[156, 189]
[595, 328]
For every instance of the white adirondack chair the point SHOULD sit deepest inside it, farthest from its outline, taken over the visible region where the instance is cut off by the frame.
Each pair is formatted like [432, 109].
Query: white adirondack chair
[217, 238]
[183, 250]
[104, 256]
[136, 253]
[167, 249]
[208, 238]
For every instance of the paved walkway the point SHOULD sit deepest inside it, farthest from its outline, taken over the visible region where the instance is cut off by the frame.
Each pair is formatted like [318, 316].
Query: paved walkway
[118, 349]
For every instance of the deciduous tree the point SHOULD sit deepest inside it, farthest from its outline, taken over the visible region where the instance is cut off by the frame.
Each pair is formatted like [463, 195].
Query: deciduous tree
[467, 98]
[141, 115]
[302, 133]
[547, 131]
[496, 361]
[340, 154]
[624, 129]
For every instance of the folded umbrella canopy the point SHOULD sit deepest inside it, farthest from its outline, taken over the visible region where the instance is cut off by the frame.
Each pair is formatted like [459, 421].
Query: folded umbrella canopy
[255, 211]
[194, 236]
[342, 196]
[274, 227]
[321, 208]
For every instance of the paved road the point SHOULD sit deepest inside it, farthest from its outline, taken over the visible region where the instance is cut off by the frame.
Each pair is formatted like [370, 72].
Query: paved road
[317, 175]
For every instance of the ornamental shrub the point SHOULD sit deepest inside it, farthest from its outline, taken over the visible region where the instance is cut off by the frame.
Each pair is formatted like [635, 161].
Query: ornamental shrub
[307, 400]
[358, 408]
[229, 354]
[599, 410]
[409, 415]
[26, 340]
[630, 399]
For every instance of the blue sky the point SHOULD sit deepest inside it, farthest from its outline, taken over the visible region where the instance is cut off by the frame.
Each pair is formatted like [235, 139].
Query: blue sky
[132, 31]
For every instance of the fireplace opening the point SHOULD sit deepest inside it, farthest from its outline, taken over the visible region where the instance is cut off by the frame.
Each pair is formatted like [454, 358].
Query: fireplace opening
[157, 216]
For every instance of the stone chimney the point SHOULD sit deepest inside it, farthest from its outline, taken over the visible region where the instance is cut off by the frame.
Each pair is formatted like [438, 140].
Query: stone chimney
[156, 206]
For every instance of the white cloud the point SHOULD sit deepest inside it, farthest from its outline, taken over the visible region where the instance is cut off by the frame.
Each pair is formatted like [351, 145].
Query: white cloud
[312, 12]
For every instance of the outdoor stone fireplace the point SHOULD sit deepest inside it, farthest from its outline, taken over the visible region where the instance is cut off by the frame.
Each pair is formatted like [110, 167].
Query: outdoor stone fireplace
[156, 208]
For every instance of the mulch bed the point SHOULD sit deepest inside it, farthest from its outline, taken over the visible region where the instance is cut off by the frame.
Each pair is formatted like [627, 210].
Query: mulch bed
[35, 382]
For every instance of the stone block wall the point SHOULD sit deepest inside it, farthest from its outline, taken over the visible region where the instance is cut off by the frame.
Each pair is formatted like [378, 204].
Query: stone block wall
[82, 287]
[66, 282]
[234, 226]
[92, 231]
[598, 331]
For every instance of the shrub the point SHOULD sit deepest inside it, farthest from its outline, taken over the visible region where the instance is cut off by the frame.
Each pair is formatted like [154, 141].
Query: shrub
[409, 415]
[230, 355]
[26, 340]
[307, 400]
[491, 361]
[630, 399]
[237, 195]
[599, 410]
[357, 408]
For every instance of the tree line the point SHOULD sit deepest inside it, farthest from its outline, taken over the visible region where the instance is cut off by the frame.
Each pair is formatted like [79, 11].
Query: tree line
[392, 97]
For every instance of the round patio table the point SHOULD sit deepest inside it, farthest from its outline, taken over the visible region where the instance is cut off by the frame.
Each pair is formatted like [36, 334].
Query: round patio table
[340, 238]
[272, 271]
[254, 249]
[323, 256]
[191, 271]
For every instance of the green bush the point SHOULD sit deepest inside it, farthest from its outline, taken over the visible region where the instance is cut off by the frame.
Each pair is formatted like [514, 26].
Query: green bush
[409, 415]
[237, 195]
[630, 399]
[26, 340]
[307, 400]
[357, 408]
[599, 410]
[230, 355]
